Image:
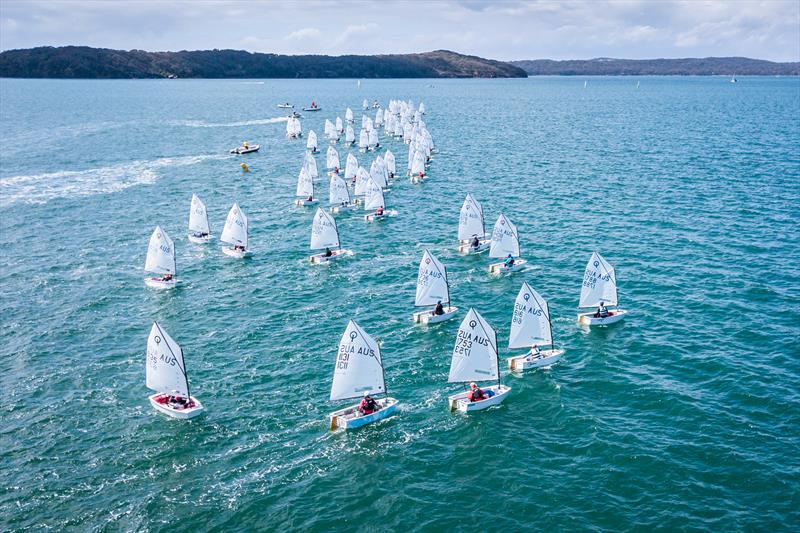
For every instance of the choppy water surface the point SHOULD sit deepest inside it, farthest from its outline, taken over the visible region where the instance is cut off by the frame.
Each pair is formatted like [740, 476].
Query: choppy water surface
[685, 416]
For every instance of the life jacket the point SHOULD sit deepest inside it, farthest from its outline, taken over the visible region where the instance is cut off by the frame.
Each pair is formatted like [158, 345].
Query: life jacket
[477, 395]
[368, 405]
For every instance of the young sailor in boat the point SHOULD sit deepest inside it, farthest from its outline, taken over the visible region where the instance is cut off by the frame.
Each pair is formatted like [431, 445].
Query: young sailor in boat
[477, 394]
[328, 252]
[177, 401]
[368, 405]
[475, 242]
[166, 277]
[509, 262]
[602, 311]
[310, 198]
[536, 353]
[246, 146]
[379, 211]
[239, 248]
[439, 309]
[336, 170]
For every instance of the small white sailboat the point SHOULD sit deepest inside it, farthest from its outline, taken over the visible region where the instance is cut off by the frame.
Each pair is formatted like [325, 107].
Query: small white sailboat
[471, 226]
[598, 291]
[350, 170]
[373, 143]
[358, 372]
[199, 231]
[475, 358]
[432, 290]
[365, 104]
[585, 83]
[311, 142]
[305, 189]
[505, 243]
[332, 160]
[363, 141]
[374, 200]
[160, 260]
[325, 234]
[391, 164]
[235, 234]
[166, 375]
[531, 328]
[339, 126]
[350, 135]
[348, 115]
[339, 195]
[310, 164]
[733, 78]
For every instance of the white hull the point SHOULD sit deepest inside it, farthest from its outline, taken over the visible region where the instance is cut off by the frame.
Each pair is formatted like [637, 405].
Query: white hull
[530, 361]
[305, 203]
[242, 150]
[461, 403]
[200, 240]
[350, 418]
[467, 248]
[184, 414]
[427, 317]
[237, 254]
[285, 106]
[377, 218]
[588, 319]
[500, 268]
[342, 208]
[158, 283]
[337, 254]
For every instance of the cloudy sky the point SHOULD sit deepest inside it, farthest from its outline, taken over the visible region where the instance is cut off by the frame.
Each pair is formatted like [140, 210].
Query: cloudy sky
[575, 29]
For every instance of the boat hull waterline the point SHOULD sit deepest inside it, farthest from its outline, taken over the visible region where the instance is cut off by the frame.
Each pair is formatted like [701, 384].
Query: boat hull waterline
[183, 414]
[500, 268]
[530, 361]
[460, 402]
[350, 418]
[427, 317]
[588, 319]
[336, 254]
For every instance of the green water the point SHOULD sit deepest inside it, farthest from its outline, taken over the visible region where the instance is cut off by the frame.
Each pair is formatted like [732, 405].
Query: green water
[686, 416]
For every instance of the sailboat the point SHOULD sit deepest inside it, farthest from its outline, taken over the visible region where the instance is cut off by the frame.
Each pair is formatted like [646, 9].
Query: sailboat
[293, 128]
[505, 242]
[733, 78]
[350, 135]
[475, 358]
[339, 126]
[599, 287]
[339, 195]
[359, 371]
[348, 115]
[311, 142]
[332, 160]
[373, 143]
[470, 226]
[374, 200]
[166, 375]
[160, 260]
[305, 189]
[391, 164]
[418, 167]
[365, 104]
[432, 289]
[199, 232]
[235, 234]
[310, 164]
[350, 169]
[363, 141]
[531, 328]
[325, 234]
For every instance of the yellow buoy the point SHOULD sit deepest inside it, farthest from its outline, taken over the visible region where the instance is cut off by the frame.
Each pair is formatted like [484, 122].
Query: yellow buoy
[245, 168]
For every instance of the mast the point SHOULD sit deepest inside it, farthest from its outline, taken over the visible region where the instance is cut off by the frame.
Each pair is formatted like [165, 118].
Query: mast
[496, 358]
[447, 284]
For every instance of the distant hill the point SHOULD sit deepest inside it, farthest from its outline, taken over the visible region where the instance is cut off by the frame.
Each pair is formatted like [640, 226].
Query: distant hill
[727, 66]
[86, 62]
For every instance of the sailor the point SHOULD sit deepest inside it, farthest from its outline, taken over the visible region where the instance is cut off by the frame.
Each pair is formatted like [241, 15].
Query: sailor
[475, 241]
[310, 198]
[166, 277]
[535, 351]
[368, 405]
[509, 262]
[245, 145]
[475, 394]
[439, 309]
[239, 247]
[379, 211]
[336, 170]
[602, 311]
[328, 252]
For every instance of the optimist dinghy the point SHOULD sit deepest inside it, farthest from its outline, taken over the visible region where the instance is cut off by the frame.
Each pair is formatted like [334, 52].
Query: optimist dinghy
[166, 375]
[531, 328]
[311, 142]
[339, 195]
[358, 372]
[374, 200]
[325, 234]
[363, 141]
[235, 234]
[332, 160]
[349, 135]
[475, 359]
[348, 115]
[599, 291]
[199, 232]
[160, 260]
[245, 148]
[505, 242]
[418, 167]
[471, 226]
[391, 165]
[432, 290]
[305, 189]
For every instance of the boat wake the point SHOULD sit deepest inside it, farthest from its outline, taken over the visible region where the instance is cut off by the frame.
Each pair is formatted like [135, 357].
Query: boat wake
[41, 188]
[204, 124]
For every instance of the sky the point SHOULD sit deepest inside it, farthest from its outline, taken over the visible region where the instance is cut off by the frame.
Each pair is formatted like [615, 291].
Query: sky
[505, 30]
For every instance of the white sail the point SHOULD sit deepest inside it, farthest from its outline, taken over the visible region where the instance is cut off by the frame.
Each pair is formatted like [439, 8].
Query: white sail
[391, 166]
[475, 351]
[504, 239]
[311, 142]
[350, 135]
[348, 115]
[310, 164]
[363, 139]
[358, 367]
[365, 104]
[373, 138]
[298, 129]
[324, 233]
[235, 231]
[330, 131]
[373, 196]
[305, 185]
[418, 164]
[160, 253]
[332, 158]
[166, 369]
[431, 281]
[379, 118]
[338, 191]
[530, 323]
[471, 220]
[339, 126]
[351, 167]
[599, 283]
[362, 177]
[198, 216]
[376, 173]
